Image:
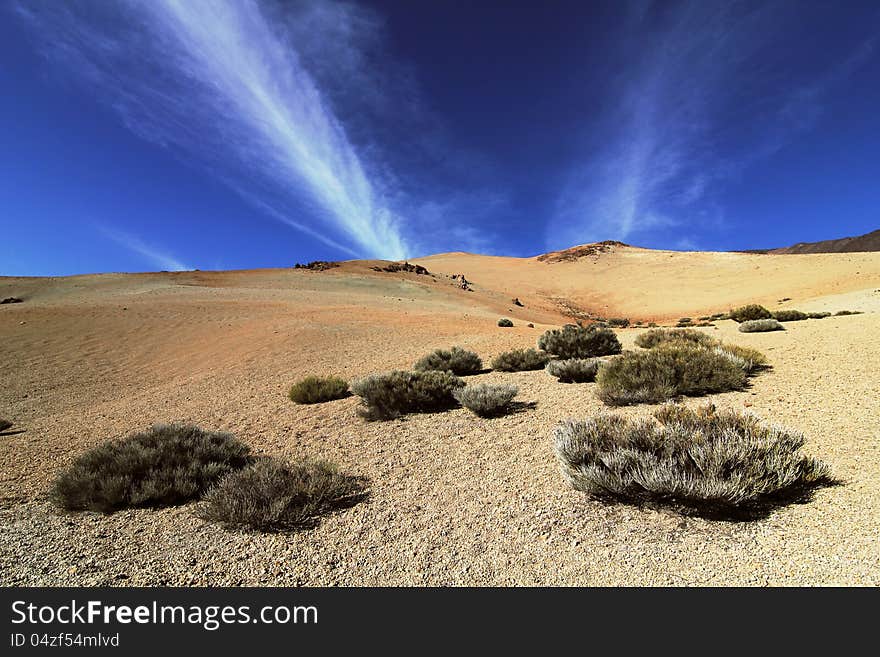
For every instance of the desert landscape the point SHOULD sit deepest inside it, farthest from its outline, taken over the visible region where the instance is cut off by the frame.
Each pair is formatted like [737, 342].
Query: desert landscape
[454, 499]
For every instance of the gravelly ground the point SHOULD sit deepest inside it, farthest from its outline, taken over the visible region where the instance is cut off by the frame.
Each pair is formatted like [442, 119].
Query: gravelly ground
[455, 500]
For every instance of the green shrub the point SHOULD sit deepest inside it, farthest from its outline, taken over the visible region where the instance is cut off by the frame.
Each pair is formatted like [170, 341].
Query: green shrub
[578, 342]
[749, 312]
[486, 400]
[505, 323]
[841, 313]
[271, 495]
[748, 359]
[618, 322]
[386, 396]
[666, 371]
[4, 424]
[821, 315]
[760, 326]
[168, 464]
[703, 461]
[456, 360]
[789, 316]
[662, 336]
[317, 389]
[574, 370]
[520, 360]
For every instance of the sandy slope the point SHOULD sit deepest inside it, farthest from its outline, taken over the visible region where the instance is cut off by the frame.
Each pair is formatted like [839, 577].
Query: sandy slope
[455, 499]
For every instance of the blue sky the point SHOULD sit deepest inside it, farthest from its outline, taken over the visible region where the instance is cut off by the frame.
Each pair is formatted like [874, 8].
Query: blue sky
[224, 134]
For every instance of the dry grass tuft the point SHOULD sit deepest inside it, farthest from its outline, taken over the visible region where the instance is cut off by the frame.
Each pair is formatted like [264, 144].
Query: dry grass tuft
[456, 360]
[271, 495]
[700, 461]
[168, 464]
[387, 396]
[574, 370]
[486, 400]
[318, 389]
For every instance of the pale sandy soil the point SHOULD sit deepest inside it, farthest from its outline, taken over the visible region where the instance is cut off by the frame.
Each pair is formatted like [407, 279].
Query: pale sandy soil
[454, 499]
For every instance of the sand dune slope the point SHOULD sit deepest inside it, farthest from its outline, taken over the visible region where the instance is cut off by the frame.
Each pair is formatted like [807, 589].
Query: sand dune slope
[455, 499]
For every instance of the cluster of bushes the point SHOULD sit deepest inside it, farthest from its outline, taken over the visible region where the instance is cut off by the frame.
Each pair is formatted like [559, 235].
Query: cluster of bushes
[702, 461]
[753, 312]
[171, 464]
[666, 371]
[677, 362]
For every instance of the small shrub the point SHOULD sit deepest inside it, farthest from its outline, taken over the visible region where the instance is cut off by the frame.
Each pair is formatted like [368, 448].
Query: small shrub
[520, 360]
[574, 370]
[841, 313]
[685, 320]
[505, 323]
[168, 464]
[456, 360]
[789, 316]
[760, 326]
[317, 389]
[704, 461]
[666, 371]
[386, 396]
[618, 322]
[748, 359]
[4, 424]
[821, 315]
[578, 342]
[718, 316]
[271, 495]
[486, 400]
[662, 336]
[749, 312]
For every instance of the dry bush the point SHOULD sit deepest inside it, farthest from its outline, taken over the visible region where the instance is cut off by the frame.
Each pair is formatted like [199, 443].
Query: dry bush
[821, 315]
[760, 326]
[748, 359]
[703, 461]
[168, 464]
[317, 389]
[505, 323]
[667, 371]
[486, 400]
[618, 322]
[386, 396]
[841, 313]
[520, 360]
[456, 360]
[4, 424]
[574, 370]
[272, 495]
[573, 341]
[662, 336]
[789, 316]
[749, 312]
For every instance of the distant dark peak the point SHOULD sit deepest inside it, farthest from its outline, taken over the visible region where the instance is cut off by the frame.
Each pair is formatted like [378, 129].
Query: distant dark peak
[868, 242]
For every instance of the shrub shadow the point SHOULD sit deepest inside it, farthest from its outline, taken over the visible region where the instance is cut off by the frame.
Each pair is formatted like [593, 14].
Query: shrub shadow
[753, 511]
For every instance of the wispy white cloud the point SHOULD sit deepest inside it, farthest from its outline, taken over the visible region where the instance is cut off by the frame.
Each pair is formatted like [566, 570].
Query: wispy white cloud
[224, 84]
[156, 256]
[692, 74]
